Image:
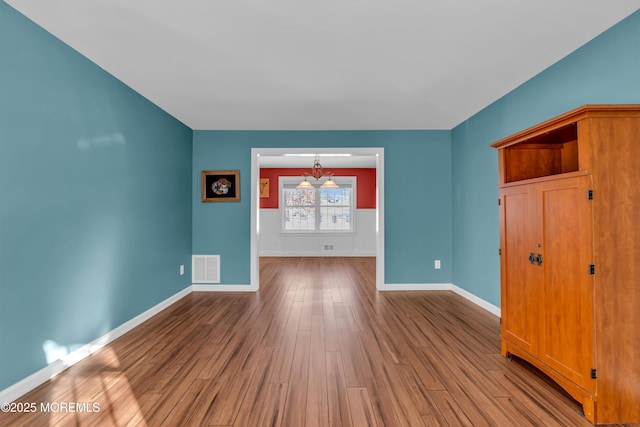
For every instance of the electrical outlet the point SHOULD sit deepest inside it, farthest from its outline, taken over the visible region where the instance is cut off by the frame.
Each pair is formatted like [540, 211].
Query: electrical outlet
[182, 269]
[436, 264]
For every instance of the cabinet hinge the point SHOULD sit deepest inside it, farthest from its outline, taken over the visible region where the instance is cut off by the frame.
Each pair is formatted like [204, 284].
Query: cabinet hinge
[593, 374]
[590, 194]
[499, 251]
[499, 202]
[592, 269]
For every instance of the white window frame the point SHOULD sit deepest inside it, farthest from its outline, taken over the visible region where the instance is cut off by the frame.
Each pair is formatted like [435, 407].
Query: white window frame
[340, 180]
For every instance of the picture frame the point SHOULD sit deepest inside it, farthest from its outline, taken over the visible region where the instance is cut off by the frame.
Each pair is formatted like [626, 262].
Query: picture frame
[221, 186]
[264, 187]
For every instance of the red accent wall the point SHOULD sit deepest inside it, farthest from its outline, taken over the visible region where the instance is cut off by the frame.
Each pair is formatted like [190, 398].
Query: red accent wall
[365, 191]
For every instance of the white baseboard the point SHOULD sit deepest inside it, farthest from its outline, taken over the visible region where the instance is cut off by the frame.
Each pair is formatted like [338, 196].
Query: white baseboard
[477, 301]
[223, 288]
[443, 287]
[416, 287]
[22, 387]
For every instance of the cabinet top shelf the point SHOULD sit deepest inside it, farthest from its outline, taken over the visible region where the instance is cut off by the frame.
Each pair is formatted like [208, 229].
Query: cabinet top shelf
[537, 133]
[544, 178]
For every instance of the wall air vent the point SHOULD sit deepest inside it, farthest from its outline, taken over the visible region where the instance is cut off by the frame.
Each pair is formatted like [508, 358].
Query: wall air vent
[205, 268]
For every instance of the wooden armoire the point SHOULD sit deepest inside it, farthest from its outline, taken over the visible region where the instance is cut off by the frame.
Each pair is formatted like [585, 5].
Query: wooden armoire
[570, 255]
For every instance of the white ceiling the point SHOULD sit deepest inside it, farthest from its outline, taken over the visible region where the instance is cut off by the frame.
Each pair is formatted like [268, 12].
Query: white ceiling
[330, 64]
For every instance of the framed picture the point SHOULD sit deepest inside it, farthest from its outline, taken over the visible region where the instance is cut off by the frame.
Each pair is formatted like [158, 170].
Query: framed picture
[264, 187]
[221, 186]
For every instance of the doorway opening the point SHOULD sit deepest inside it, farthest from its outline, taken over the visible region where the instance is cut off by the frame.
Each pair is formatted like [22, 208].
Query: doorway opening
[258, 154]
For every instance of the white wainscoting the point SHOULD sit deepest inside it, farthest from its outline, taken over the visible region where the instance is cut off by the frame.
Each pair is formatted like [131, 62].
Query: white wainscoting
[272, 242]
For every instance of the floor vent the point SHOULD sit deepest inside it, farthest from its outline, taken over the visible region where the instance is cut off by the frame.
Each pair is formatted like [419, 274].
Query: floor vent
[205, 268]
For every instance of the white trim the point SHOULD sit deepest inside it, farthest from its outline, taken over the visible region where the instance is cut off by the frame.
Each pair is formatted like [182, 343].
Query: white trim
[27, 384]
[417, 287]
[380, 219]
[318, 254]
[255, 217]
[477, 301]
[223, 288]
[443, 287]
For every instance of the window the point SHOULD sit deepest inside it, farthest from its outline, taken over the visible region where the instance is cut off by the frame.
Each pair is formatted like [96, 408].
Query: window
[318, 210]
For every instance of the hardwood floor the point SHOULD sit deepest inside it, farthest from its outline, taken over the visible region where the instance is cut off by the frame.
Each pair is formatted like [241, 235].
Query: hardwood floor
[316, 346]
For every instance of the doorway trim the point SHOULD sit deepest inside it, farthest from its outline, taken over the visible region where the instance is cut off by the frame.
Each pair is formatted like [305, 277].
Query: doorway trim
[378, 152]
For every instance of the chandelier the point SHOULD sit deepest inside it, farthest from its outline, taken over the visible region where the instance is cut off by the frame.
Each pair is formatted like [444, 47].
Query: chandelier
[317, 173]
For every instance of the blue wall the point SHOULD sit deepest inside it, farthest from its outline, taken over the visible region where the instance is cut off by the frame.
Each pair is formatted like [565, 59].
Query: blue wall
[95, 194]
[417, 197]
[604, 71]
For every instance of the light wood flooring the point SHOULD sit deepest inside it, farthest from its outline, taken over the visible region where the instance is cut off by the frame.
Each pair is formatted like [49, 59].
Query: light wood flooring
[316, 346]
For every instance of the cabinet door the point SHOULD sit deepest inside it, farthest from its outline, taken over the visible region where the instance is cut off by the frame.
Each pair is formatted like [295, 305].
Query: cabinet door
[566, 309]
[520, 280]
